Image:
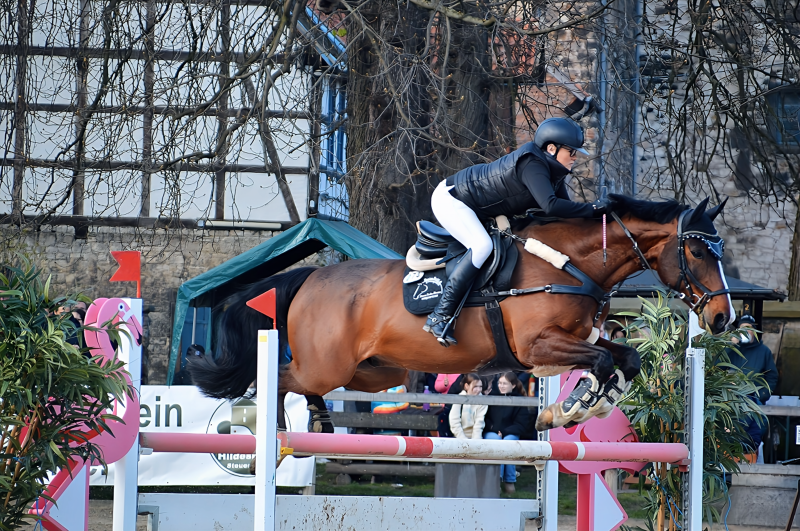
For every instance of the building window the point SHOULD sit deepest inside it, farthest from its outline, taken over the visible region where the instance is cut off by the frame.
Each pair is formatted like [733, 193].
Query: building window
[785, 116]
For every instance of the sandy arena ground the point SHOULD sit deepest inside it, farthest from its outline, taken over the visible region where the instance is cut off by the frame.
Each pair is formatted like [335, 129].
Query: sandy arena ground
[100, 519]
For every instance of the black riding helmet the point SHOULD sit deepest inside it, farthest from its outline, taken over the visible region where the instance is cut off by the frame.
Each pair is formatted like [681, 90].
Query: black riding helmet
[561, 132]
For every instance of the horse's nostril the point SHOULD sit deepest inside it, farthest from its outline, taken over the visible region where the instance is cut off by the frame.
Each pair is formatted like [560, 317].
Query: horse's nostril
[720, 322]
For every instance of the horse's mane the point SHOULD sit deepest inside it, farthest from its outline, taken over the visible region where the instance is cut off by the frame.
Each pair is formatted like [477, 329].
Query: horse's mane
[657, 211]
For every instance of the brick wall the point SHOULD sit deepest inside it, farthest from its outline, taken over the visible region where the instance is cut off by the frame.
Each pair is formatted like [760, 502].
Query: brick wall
[169, 258]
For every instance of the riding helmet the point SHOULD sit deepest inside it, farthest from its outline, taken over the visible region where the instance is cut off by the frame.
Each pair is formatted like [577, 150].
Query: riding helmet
[562, 132]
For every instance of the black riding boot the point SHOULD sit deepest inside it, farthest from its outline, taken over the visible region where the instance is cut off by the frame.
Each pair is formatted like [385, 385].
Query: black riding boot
[452, 294]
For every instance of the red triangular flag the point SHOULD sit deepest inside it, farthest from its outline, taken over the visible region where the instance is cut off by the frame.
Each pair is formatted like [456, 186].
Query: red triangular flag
[265, 304]
[130, 269]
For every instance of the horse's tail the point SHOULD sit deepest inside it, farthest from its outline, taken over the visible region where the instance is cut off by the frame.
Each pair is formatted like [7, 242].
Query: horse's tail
[231, 369]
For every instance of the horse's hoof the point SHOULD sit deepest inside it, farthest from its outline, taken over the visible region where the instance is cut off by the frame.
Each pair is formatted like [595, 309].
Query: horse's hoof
[544, 421]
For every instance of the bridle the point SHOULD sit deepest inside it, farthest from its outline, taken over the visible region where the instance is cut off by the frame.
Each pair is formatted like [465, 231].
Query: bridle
[715, 244]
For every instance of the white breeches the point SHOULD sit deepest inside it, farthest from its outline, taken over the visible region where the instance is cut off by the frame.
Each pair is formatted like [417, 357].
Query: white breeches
[462, 223]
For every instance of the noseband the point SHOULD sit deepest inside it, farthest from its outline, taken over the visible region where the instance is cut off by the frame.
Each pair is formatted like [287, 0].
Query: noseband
[716, 246]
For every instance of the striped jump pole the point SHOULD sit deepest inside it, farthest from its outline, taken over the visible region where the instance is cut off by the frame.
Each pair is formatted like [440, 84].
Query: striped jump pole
[440, 448]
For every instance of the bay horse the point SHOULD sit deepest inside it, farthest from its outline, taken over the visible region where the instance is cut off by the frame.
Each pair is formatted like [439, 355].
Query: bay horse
[345, 324]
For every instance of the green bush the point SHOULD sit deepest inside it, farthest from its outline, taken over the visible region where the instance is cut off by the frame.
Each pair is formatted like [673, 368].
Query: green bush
[48, 388]
[655, 405]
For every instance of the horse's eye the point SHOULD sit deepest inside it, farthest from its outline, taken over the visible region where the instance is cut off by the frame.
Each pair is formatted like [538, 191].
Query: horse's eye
[697, 254]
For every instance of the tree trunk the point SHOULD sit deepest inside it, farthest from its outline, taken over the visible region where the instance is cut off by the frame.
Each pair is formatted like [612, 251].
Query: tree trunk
[397, 154]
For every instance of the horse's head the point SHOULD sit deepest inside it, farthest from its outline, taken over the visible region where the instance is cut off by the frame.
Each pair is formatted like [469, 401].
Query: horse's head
[691, 264]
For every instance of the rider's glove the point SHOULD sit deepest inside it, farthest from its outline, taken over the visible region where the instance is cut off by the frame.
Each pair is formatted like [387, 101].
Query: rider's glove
[601, 206]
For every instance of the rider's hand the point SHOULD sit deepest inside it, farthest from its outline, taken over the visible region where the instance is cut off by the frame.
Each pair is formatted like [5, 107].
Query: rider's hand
[601, 206]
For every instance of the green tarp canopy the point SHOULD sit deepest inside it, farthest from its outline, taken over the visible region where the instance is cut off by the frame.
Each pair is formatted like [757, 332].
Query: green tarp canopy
[270, 257]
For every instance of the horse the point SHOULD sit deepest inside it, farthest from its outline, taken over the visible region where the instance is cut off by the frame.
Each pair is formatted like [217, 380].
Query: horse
[345, 324]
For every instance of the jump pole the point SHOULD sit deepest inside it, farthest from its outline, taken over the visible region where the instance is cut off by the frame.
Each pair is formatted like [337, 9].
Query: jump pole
[439, 448]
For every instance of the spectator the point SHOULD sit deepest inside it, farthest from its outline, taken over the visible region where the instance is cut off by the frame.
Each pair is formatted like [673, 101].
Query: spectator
[507, 422]
[444, 382]
[754, 357]
[77, 315]
[617, 333]
[454, 388]
[467, 420]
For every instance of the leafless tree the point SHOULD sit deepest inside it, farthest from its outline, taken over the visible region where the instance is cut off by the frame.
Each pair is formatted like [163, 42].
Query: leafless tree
[157, 112]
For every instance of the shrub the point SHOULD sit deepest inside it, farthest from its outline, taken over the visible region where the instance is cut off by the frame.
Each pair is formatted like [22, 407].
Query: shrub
[48, 388]
[655, 405]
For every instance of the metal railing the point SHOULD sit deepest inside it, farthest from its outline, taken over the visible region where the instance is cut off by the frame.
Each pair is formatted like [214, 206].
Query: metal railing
[433, 398]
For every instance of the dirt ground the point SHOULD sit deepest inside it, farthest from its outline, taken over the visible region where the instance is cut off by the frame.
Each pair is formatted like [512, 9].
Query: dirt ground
[101, 519]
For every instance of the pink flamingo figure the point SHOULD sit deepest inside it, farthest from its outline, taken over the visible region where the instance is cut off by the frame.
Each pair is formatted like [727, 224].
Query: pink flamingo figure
[114, 445]
[591, 485]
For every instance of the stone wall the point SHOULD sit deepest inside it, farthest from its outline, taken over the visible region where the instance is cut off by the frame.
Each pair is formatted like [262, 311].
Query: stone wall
[169, 258]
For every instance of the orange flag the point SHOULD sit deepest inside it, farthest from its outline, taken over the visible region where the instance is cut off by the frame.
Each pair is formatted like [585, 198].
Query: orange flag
[130, 268]
[265, 303]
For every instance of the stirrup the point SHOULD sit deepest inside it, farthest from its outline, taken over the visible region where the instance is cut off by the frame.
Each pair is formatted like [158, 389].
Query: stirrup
[439, 325]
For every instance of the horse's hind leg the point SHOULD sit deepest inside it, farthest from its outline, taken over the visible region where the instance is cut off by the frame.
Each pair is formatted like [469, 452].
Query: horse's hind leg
[375, 378]
[367, 378]
[282, 411]
[319, 420]
[557, 347]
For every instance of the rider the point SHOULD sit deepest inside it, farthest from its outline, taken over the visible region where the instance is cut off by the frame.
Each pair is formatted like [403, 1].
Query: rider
[530, 177]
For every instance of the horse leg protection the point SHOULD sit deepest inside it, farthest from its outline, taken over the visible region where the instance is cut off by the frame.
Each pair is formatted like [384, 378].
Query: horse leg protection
[574, 409]
[319, 420]
[612, 391]
[281, 412]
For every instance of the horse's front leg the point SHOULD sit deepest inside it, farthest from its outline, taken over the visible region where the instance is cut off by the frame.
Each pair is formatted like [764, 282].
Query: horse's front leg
[557, 347]
[629, 363]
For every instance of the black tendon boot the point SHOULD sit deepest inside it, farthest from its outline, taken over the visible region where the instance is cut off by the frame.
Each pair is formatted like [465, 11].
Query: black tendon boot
[454, 291]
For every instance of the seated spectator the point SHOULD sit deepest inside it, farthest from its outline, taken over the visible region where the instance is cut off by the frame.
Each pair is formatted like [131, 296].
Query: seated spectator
[507, 422]
[467, 420]
[444, 382]
[454, 388]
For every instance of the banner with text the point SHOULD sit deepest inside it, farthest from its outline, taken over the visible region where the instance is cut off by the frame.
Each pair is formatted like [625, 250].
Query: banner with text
[183, 409]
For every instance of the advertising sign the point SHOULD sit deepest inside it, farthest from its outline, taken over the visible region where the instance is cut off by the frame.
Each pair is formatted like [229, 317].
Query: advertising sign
[183, 409]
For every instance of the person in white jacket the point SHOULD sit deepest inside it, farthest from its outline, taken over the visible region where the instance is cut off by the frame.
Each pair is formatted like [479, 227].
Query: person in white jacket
[467, 420]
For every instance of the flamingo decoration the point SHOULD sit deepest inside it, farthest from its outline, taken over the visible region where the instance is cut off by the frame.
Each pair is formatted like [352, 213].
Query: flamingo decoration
[591, 485]
[114, 446]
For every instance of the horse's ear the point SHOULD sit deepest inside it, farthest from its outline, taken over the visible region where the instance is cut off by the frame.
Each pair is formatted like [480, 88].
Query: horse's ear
[698, 212]
[714, 212]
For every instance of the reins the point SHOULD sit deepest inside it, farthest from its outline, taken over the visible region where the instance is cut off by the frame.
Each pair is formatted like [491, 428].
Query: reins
[590, 288]
[683, 267]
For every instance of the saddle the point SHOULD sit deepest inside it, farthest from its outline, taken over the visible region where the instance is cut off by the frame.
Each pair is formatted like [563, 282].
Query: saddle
[434, 255]
[428, 265]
